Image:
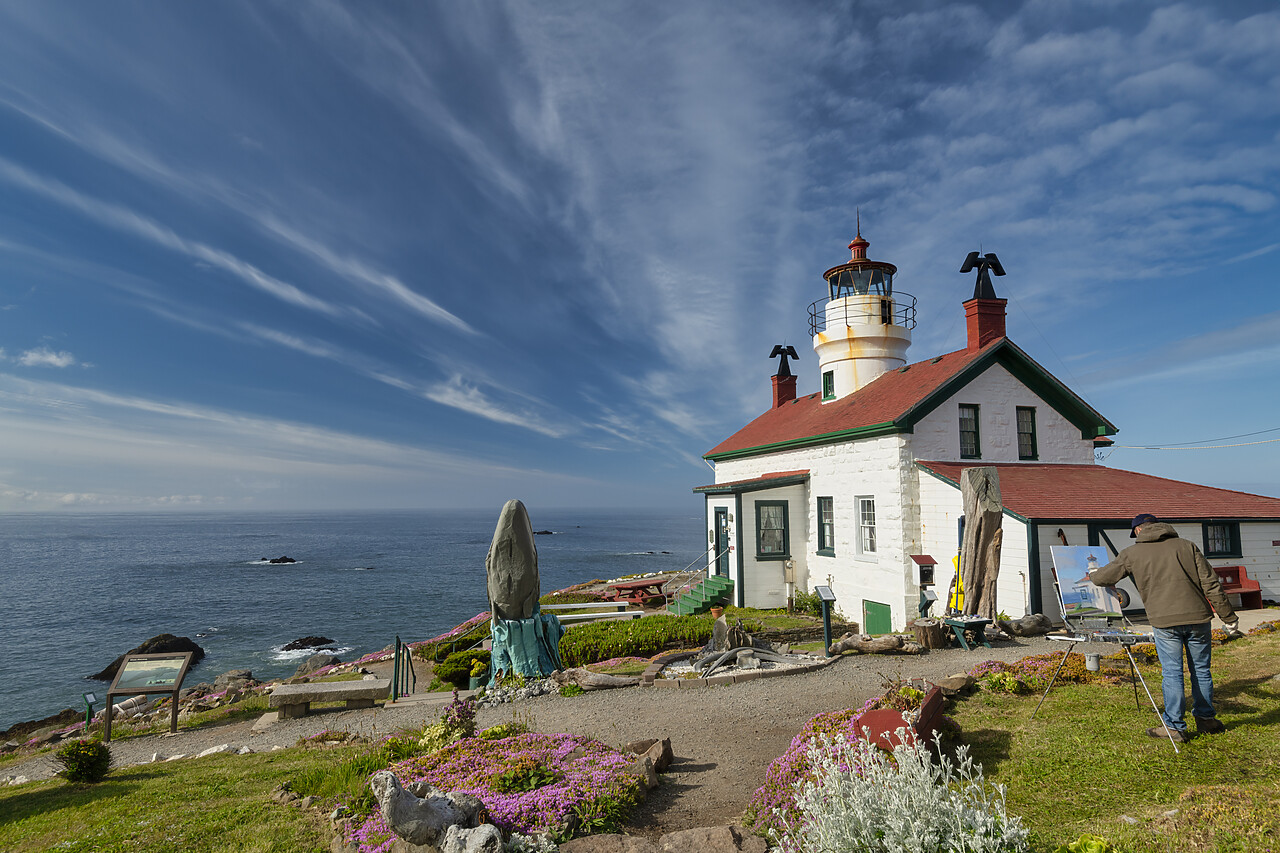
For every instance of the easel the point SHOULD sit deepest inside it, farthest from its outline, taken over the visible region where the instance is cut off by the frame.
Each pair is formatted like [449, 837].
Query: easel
[1126, 639]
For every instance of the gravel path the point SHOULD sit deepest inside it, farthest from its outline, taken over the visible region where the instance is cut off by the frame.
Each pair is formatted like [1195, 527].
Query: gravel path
[723, 737]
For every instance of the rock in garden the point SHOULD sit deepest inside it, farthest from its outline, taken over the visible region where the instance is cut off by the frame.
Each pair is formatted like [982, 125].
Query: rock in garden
[310, 643]
[712, 839]
[1031, 625]
[661, 753]
[317, 661]
[166, 643]
[423, 815]
[644, 771]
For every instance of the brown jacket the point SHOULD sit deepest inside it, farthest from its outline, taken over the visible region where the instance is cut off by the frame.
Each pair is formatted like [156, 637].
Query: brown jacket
[1176, 582]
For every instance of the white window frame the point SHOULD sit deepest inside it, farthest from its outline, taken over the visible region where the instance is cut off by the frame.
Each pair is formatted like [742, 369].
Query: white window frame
[861, 501]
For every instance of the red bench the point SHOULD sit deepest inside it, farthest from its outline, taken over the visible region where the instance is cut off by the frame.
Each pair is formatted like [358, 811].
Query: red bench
[882, 724]
[1236, 580]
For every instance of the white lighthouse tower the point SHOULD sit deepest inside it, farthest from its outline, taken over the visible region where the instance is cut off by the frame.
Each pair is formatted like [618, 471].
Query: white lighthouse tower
[863, 328]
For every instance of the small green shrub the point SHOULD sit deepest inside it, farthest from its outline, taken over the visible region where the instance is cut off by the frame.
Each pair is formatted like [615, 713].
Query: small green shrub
[571, 598]
[525, 774]
[505, 730]
[1087, 844]
[456, 668]
[568, 690]
[86, 760]
[808, 602]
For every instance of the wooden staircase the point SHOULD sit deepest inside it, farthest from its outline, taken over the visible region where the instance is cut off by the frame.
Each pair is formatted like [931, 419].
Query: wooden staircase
[711, 590]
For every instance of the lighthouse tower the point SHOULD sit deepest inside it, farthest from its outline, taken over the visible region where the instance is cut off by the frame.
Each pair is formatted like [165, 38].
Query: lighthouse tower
[863, 328]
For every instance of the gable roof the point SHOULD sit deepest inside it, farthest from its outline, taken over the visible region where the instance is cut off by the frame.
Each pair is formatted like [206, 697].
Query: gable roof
[894, 401]
[1095, 492]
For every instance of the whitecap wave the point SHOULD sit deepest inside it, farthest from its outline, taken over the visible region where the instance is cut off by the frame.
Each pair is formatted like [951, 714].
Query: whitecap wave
[278, 653]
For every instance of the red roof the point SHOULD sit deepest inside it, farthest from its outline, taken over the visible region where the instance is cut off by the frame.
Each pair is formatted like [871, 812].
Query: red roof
[895, 400]
[1090, 492]
[764, 481]
[883, 400]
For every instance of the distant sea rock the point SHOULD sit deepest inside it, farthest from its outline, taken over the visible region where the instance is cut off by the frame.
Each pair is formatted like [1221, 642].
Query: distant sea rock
[544, 533]
[310, 643]
[278, 560]
[161, 643]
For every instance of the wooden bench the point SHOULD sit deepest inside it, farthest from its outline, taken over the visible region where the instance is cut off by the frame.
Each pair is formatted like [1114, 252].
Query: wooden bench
[294, 700]
[1235, 580]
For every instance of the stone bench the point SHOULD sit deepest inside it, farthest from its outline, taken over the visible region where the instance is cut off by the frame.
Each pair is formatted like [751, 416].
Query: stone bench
[294, 700]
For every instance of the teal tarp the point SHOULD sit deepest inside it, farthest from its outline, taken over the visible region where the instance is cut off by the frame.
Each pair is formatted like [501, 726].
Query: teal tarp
[530, 647]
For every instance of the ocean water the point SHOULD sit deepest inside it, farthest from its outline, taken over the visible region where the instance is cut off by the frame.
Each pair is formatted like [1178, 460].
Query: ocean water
[78, 590]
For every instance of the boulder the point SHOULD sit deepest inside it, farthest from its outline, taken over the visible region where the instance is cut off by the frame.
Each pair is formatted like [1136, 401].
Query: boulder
[159, 643]
[21, 732]
[279, 560]
[511, 566]
[712, 839]
[422, 815]
[316, 661]
[661, 754]
[234, 678]
[642, 767]
[310, 643]
[1031, 625]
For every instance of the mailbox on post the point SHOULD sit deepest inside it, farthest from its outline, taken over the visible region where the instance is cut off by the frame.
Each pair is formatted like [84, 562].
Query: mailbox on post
[924, 577]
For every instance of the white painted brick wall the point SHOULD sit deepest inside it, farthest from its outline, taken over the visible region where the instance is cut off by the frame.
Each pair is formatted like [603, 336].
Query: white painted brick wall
[998, 394]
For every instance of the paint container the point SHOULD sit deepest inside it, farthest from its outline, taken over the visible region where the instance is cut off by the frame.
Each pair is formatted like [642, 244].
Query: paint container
[1092, 661]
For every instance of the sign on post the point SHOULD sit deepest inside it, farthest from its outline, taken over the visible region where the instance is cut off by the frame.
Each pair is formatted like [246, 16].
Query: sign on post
[155, 673]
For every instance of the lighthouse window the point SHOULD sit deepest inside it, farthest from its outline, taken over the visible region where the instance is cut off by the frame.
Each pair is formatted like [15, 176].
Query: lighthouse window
[773, 539]
[1222, 539]
[970, 447]
[1027, 433]
[826, 528]
[829, 385]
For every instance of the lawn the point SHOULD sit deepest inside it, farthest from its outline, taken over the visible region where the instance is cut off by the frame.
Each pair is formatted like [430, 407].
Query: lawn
[1085, 761]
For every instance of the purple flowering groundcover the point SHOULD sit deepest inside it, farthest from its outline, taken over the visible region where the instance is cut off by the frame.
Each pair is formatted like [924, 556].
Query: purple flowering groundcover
[591, 781]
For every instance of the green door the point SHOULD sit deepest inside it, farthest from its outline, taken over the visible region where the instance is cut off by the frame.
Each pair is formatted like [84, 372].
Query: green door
[722, 542]
[877, 618]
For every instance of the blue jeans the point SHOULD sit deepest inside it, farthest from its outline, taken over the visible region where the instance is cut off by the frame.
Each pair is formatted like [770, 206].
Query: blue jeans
[1170, 642]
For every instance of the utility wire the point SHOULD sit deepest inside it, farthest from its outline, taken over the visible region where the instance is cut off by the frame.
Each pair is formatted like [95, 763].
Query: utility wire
[1199, 447]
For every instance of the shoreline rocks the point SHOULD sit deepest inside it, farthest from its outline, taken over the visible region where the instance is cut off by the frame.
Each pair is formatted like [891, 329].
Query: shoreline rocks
[160, 643]
[312, 642]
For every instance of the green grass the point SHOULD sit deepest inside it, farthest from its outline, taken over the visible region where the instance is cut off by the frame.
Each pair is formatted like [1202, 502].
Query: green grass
[1086, 759]
[215, 803]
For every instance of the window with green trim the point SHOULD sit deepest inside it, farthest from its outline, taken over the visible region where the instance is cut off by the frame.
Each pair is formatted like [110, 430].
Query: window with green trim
[970, 445]
[773, 538]
[829, 385]
[1222, 539]
[826, 528]
[1027, 433]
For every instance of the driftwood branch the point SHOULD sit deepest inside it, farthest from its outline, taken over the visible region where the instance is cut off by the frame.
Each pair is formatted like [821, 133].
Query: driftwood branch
[588, 680]
[867, 644]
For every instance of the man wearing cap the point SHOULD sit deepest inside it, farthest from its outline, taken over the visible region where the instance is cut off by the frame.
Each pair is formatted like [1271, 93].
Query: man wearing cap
[1178, 586]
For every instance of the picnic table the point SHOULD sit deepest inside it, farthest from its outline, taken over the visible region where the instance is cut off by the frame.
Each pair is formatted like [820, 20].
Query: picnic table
[975, 626]
[636, 592]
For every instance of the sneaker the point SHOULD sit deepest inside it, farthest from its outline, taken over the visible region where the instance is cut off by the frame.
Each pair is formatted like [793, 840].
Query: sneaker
[1209, 725]
[1178, 735]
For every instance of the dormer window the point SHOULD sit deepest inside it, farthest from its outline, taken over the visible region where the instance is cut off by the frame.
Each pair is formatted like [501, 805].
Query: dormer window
[970, 443]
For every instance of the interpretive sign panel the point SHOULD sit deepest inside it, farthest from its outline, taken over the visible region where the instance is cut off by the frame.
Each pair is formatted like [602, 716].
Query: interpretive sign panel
[156, 673]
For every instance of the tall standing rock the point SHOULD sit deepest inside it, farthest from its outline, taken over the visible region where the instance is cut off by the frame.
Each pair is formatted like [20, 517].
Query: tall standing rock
[512, 565]
[525, 640]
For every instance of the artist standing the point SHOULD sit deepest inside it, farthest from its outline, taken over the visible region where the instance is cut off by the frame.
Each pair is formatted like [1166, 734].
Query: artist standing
[1177, 586]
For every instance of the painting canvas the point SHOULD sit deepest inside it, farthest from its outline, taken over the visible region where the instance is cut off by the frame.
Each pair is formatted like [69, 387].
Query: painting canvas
[1080, 598]
[150, 673]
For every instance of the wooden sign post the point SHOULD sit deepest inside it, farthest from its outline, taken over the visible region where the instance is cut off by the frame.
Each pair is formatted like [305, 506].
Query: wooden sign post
[142, 674]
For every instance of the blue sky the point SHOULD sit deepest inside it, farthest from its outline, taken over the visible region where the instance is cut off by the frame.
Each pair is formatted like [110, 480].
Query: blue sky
[325, 255]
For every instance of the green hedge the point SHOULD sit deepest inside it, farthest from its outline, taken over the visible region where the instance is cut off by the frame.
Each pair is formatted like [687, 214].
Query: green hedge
[639, 637]
[456, 668]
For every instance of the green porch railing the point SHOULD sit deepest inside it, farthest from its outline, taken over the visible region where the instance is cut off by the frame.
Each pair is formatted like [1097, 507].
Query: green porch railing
[404, 680]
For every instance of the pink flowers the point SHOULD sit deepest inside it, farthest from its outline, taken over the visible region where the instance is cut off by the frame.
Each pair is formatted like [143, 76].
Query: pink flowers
[593, 784]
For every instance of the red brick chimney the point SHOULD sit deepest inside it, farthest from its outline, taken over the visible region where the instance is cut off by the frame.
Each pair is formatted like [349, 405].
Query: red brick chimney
[784, 390]
[985, 319]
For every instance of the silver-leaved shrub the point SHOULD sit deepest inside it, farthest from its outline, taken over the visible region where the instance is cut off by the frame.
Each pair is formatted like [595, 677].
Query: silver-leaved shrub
[915, 800]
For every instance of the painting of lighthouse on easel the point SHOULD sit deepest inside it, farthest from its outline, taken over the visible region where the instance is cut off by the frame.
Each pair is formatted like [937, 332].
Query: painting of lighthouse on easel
[1080, 598]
